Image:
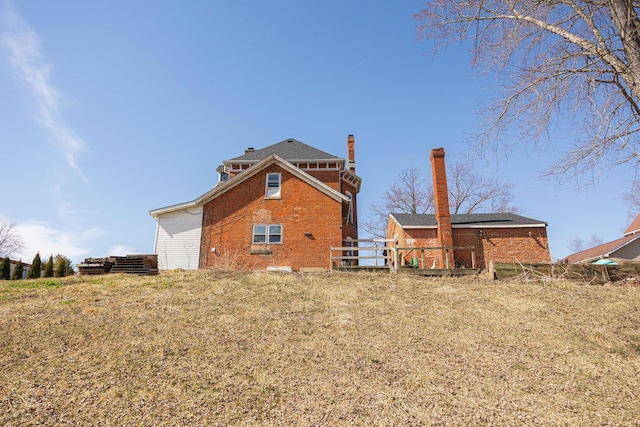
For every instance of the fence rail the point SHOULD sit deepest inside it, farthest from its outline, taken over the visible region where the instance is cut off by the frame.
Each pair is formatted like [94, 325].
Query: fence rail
[447, 250]
[349, 257]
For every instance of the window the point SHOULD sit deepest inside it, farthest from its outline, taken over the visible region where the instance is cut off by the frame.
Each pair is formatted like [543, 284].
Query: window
[267, 234]
[273, 185]
[350, 211]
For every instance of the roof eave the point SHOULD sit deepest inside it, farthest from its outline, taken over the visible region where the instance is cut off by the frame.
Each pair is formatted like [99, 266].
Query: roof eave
[178, 206]
[606, 254]
[622, 245]
[476, 226]
[246, 162]
[246, 174]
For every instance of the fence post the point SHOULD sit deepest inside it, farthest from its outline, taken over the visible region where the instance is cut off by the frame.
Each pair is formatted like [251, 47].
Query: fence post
[397, 256]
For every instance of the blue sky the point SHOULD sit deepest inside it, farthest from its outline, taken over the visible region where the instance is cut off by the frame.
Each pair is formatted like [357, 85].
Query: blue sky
[115, 108]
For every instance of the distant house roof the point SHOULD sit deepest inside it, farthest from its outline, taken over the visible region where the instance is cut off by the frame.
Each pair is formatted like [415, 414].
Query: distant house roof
[634, 227]
[609, 249]
[289, 150]
[489, 220]
[24, 264]
[601, 251]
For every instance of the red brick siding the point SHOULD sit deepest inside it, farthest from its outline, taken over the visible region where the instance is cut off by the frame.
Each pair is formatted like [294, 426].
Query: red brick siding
[394, 231]
[350, 230]
[524, 245]
[331, 178]
[421, 237]
[441, 204]
[493, 245]
[229, 218]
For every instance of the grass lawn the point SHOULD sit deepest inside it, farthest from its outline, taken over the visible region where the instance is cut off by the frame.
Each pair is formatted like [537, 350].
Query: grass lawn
[225, 348]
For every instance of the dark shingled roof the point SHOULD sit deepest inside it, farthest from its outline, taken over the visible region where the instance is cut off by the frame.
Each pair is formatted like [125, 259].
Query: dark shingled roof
[468, 220]
[289, 149]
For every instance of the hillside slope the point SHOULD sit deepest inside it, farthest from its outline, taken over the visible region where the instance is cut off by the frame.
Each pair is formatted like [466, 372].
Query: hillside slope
[223, 348]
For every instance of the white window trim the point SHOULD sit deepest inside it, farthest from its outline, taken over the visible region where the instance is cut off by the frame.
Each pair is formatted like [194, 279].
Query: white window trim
[350, 209]
[275, 194]
[267, 235]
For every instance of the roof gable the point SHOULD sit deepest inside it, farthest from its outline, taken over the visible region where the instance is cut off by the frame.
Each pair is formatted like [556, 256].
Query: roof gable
[489, 220]
[634, 227]
[225, 186]
[601, 251]
[289, 149]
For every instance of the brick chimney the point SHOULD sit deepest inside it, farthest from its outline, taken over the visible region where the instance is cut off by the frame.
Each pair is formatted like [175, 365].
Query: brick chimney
[352, 156]
[443, 216]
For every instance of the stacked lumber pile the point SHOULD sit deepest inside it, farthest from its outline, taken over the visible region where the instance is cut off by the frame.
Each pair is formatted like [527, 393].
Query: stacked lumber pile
[93, 266]
[143, 265]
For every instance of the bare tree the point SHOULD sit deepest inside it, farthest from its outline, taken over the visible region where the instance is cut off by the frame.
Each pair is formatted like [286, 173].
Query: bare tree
[632, 199]
[573, 59]
[10, 241]
[411, 192]
[470, 192]
[577, 244]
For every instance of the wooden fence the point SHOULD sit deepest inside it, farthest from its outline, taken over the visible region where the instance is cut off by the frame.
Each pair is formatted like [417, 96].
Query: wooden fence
[587, 273]
[402, 252]
[362, 254]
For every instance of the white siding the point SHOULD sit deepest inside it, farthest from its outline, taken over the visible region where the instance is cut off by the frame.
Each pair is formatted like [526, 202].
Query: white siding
[178, 239]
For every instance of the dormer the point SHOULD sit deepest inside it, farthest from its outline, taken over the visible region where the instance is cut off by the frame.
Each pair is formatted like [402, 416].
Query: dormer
[222, 174]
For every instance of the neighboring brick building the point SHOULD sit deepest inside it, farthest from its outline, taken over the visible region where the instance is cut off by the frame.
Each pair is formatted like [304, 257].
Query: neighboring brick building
[494, 237]
[280, 207]
[502, 237]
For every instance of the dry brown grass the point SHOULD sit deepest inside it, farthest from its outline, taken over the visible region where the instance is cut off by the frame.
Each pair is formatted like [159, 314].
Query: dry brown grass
[223, 348]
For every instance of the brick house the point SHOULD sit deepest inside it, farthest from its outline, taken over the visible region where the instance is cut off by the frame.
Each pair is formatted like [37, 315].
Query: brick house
[470, 239]
[501, 237]
[280, 207]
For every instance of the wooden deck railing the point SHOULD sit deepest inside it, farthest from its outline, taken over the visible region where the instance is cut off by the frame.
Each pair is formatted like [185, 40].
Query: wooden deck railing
[377, 254]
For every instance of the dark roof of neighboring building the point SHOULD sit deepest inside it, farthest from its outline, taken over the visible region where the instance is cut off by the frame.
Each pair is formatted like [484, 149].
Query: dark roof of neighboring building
[634, 227]
[289, 149]
[601, 251]
[26, 265]
[468, 220]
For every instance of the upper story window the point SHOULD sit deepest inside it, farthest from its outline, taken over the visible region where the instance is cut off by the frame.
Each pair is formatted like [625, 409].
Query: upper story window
[273, 185]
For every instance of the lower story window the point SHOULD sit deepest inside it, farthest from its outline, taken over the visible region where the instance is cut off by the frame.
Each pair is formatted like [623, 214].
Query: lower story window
[267, 233]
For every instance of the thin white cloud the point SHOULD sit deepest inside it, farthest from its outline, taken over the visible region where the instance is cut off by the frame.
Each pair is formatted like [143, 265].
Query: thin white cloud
[41, 237]
[21, 46]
